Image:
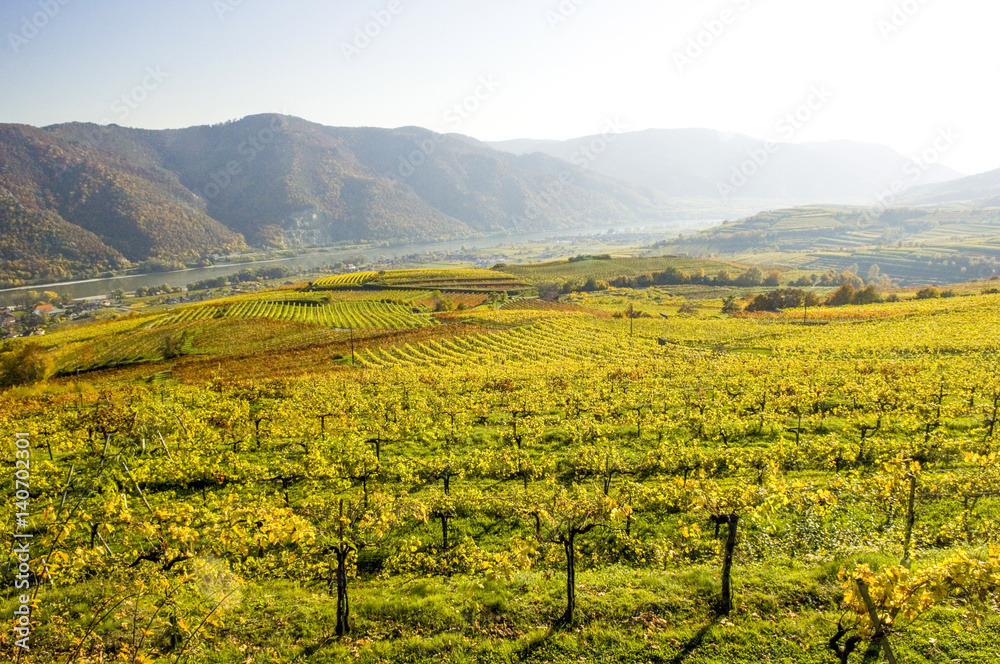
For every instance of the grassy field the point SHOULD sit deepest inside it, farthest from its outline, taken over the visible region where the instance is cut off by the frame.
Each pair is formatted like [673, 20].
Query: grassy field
[450, 477]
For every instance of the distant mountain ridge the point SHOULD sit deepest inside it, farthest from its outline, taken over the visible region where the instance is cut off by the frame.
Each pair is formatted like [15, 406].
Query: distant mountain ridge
[77, 199]
[975, 191]
[117, 196]
[703, 163]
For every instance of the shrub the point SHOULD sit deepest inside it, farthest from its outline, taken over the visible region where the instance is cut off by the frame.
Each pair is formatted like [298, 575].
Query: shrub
[686, 309]
[23, 365]
[929, 293]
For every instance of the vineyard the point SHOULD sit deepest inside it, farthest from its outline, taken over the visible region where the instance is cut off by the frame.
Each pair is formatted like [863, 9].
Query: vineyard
[457, 280]
[349, 314]
[517, 481]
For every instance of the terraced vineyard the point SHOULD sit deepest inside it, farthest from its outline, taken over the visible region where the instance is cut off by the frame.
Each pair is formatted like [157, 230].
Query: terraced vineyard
[474, 280]
[559, 339]
[356, 314]
[350, 280]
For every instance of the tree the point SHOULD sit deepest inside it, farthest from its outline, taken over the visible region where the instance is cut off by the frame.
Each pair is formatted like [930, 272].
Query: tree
[23, 365]
[783, 298]
[731, 521]
[730, 305]
[867, 295]
[843, 295]
[357, 524]
[899, 595]
[570, 513]
[25, 300]
[750, 278]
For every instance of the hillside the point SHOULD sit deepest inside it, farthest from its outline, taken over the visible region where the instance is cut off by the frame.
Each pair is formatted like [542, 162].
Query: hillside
[909, 244]
[77, 205]
[692, 163]
[277, 181]
[981, 190]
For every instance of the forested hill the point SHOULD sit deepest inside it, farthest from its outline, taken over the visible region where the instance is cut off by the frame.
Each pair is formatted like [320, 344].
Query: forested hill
[81, 194]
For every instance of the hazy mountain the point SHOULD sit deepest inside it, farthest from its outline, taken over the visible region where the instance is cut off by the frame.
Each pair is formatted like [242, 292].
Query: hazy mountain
[119, 195]
[982, 190]
[702, 163]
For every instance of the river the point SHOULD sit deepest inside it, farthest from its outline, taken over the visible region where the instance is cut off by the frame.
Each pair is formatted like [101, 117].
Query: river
[318, 257]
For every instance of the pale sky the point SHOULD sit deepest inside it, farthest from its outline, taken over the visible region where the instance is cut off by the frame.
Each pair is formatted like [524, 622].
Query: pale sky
[523, 68]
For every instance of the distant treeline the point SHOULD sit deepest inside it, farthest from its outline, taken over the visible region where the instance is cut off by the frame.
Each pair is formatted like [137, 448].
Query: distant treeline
[751, 278]
[589, 257]
[791, 298]
[674, 277]
[244, 275]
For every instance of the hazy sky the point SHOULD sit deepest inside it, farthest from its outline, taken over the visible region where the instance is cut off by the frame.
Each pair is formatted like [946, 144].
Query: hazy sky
[888, 71]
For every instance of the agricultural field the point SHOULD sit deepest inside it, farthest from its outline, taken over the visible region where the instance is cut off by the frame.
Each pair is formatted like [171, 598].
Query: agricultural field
[354, 472]
[469, 279]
